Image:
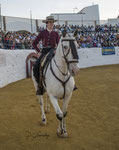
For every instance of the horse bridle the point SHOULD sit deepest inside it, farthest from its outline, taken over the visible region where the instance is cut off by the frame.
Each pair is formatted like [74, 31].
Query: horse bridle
[73, 51]
[75, 56]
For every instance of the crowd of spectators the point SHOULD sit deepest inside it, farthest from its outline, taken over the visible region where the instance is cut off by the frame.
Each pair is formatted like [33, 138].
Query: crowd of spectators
[98, 36]
[16, 40]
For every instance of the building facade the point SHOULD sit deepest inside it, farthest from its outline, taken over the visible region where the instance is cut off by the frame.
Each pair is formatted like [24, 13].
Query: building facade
[87, 16]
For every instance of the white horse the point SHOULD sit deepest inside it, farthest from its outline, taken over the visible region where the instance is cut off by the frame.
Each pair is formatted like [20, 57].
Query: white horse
[59, 81]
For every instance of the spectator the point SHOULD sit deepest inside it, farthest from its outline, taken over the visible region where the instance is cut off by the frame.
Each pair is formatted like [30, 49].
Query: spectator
[86, 36]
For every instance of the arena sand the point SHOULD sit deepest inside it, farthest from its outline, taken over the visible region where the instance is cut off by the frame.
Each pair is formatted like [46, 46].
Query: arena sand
[92, 120]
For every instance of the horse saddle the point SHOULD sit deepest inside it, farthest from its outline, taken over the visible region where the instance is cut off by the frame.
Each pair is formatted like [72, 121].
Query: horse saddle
[44, 64]
[47, 58]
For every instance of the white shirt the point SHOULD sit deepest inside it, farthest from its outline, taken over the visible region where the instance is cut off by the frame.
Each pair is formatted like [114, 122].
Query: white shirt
[49, 30]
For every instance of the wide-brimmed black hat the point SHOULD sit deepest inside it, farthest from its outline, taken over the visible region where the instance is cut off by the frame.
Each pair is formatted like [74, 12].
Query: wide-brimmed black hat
[49, 18]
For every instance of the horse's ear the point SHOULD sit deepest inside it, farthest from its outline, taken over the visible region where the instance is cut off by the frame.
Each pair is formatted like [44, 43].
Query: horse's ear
[64, 32]
[75, 34]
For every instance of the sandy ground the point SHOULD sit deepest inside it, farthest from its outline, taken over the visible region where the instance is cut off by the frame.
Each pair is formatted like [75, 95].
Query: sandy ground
[92, 120]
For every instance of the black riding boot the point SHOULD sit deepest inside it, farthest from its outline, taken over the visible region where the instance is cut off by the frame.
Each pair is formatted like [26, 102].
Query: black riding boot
[75, 88]
[36, 72]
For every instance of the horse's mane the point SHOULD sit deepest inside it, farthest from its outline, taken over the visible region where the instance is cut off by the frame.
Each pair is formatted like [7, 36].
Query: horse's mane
[68, 36]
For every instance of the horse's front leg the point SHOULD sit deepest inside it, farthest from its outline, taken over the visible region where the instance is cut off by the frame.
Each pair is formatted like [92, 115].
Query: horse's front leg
[64, 110]
[55, 104]
[44, 121]
[59, 114]
[61, 131]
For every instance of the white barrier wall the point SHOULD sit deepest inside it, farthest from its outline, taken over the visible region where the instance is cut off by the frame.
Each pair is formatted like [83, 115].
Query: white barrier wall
[89, 57]
[13, 62]
[12, 65]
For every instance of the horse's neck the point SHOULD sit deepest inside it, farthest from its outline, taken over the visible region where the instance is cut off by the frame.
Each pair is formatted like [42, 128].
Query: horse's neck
[59, 61]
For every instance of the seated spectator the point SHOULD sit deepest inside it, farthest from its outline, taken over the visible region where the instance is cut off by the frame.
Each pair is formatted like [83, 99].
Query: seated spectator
[86, 36]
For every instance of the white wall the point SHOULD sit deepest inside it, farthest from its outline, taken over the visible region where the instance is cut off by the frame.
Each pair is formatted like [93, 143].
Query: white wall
[17, 23]
[91, 14]
[89, 57]
[113, 21]
[13, 62]
[12, 65]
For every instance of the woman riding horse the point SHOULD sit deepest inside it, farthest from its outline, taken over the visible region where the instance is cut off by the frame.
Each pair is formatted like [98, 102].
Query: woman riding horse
[58, 80]
[50, 39]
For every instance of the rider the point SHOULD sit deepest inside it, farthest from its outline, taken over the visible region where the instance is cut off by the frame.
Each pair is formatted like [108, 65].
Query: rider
[50, 39]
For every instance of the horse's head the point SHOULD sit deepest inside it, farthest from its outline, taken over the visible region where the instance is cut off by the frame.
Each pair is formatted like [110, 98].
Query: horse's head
[69, 53]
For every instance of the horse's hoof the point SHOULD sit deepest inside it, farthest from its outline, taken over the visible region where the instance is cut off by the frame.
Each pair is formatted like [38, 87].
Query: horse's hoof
[62, 135]
[44, 122]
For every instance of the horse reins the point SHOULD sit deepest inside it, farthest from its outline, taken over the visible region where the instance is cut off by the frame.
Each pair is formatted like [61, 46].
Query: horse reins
[63, 83]
[75, 55]
[64, 74]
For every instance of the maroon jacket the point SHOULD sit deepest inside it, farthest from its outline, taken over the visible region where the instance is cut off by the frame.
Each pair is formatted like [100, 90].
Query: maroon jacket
[48, 39]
